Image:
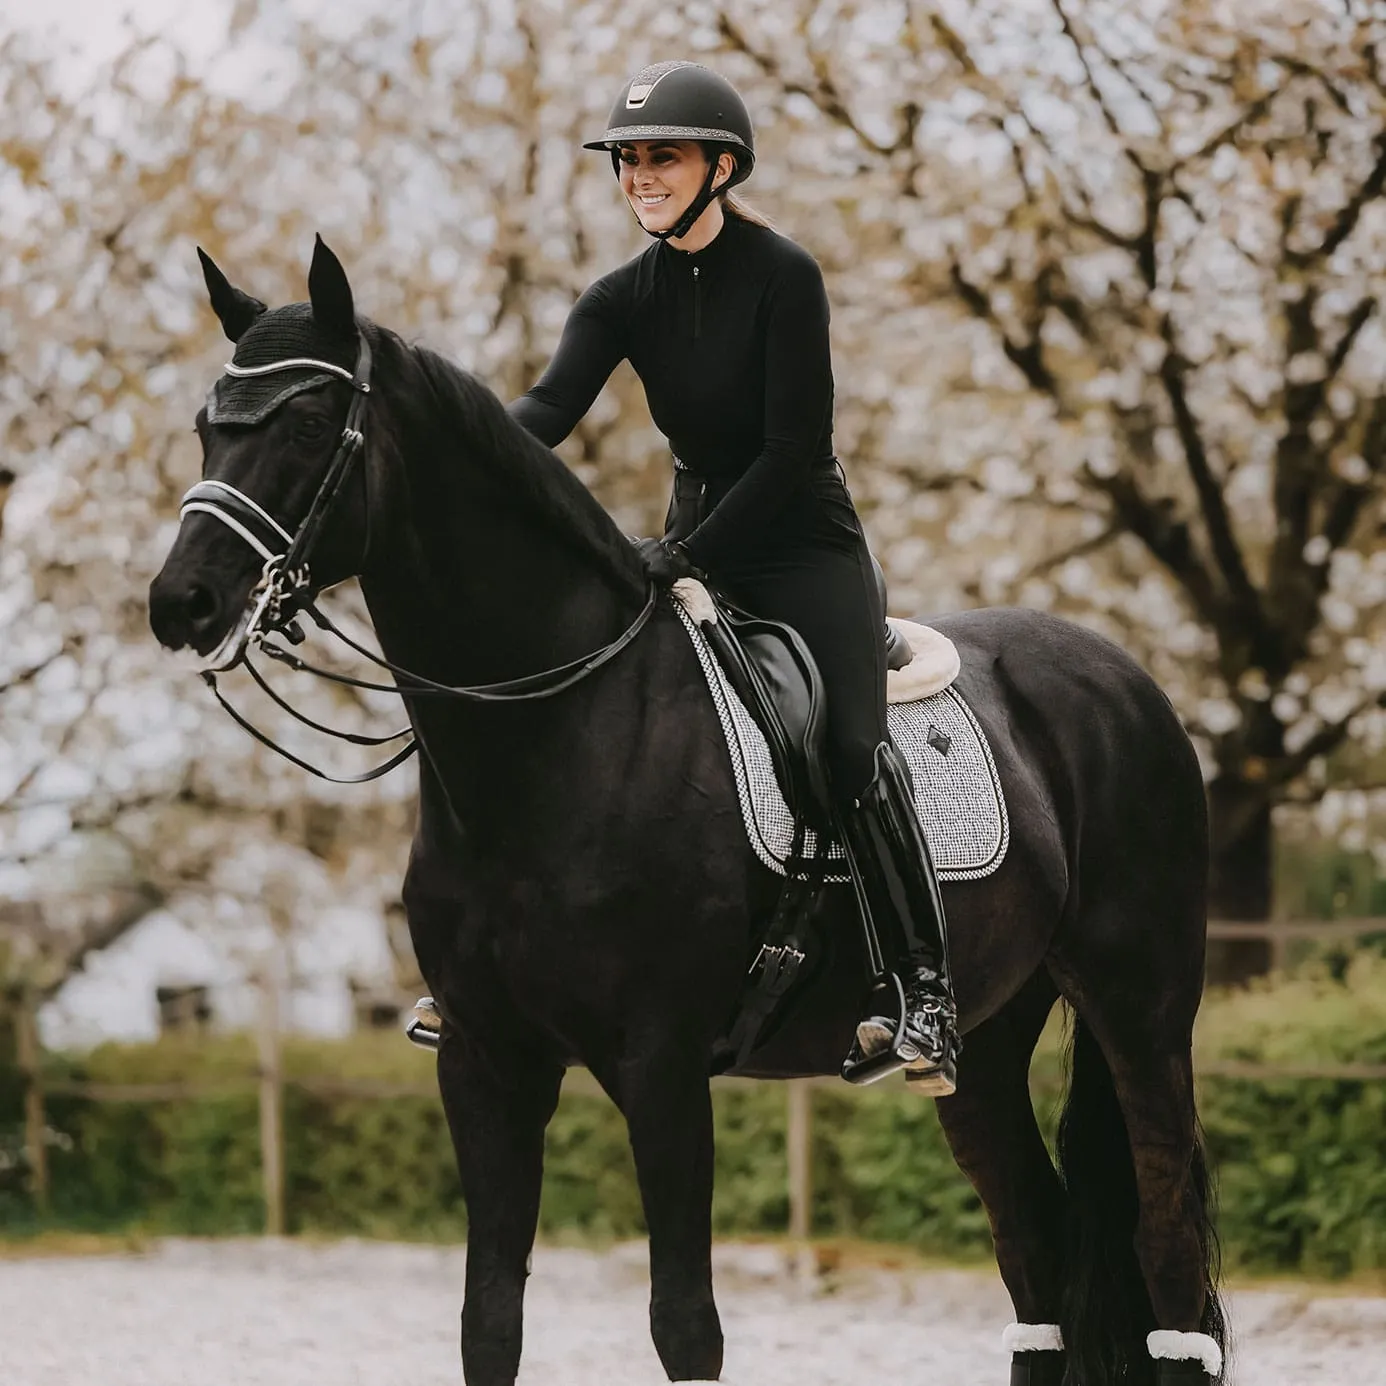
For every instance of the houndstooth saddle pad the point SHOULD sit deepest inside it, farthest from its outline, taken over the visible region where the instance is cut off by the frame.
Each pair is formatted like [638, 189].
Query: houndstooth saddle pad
[957, 791]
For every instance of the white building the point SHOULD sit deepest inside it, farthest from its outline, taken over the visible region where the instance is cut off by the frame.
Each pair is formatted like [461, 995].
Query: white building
[166, 974]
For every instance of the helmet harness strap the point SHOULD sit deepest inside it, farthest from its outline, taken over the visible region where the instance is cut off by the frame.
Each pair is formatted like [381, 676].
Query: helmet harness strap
[695, 208]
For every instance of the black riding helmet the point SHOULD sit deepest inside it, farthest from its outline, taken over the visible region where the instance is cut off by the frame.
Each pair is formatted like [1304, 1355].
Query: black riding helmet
[683, 101]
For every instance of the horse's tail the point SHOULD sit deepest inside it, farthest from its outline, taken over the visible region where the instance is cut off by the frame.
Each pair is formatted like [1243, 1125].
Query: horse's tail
[1106, 1312]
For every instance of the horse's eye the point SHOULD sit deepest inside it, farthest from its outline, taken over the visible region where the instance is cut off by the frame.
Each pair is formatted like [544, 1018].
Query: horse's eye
[310, 428]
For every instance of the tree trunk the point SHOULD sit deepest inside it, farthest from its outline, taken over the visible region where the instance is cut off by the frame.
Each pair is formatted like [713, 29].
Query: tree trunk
[1240, 875]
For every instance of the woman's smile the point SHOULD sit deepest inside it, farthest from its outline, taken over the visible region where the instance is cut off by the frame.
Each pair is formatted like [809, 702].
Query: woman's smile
[660, 179]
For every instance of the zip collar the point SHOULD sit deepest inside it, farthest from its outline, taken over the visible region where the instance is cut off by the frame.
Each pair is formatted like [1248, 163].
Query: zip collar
[716, 250]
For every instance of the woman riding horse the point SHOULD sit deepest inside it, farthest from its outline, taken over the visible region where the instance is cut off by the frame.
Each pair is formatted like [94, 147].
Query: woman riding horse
[726, 323]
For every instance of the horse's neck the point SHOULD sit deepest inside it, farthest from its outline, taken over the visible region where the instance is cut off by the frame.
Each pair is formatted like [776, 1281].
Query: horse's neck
[470, 589]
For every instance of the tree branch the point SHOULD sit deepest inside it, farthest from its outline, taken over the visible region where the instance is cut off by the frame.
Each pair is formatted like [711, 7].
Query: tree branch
[1027, 357]
[69, 733]
[1349, 214]
[1345, 505]
[1168, 539]
[1095, 91]
[1174, 370]
[7, 480]
[1357, 320]
[823, 92]
[1294, 585]
[1229, 132]
[27, 676]
[1081, 549]
[1323, 742]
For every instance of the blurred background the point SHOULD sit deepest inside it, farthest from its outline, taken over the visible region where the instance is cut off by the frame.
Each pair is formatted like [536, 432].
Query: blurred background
[1107, 334]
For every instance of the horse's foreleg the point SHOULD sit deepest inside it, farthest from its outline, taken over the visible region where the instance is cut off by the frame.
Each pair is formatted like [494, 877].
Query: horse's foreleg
[991, 1130]
[497, 1113]
[668, 1110]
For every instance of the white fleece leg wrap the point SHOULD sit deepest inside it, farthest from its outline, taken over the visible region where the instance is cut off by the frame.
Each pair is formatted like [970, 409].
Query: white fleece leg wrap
[1184, 1347]
[1032, 1337]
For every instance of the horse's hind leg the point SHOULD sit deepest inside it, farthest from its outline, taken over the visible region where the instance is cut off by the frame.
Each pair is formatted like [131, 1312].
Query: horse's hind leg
[1129, 1143]
[991, 1130]
[1152, 1070]
[497, 1112]
[663, 1091]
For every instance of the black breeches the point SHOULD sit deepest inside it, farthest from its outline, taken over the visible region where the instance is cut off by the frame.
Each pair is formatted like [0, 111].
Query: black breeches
[816, 576]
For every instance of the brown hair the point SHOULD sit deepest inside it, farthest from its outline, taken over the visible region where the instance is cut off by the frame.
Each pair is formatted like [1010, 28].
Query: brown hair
[743, 211]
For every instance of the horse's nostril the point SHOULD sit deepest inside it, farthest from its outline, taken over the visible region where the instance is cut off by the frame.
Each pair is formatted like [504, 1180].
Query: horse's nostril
[202, 606]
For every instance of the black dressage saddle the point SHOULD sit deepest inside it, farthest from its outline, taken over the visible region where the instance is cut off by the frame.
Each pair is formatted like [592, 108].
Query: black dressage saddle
[776, 678]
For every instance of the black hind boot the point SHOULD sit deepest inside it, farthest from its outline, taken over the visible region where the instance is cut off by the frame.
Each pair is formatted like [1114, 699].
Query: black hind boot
[1037, 1369]
[1182, 1374]
[1037, 1354]
[901, 904]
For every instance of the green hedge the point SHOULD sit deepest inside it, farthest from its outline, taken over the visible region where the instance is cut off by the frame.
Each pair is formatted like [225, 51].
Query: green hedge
[1301, 1163]
[384, 1167]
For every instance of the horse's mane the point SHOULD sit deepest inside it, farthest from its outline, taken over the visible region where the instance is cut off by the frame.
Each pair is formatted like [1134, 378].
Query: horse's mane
[516, 462]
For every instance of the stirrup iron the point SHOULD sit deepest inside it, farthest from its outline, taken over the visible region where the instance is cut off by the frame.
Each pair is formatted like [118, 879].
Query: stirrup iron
[424, 1027]
[861, 1068]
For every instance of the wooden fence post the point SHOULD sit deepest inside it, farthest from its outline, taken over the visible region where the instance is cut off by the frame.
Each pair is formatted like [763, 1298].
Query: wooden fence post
[799, 1150]
[271, 1101]
[35, 1119]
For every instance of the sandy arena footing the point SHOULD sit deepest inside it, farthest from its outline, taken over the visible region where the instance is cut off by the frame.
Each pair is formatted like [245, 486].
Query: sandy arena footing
[283, 1313]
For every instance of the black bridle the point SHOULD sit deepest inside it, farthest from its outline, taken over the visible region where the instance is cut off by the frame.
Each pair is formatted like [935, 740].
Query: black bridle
[285, 590]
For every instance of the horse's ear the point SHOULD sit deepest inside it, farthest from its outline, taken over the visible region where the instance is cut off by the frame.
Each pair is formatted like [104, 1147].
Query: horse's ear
[329, 292]
[235, 309]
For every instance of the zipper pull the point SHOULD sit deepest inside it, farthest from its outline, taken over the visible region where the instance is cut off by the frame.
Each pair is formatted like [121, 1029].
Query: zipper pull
[697, 304]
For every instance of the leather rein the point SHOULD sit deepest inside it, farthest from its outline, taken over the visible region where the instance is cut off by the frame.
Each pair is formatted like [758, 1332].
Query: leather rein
[284, 591]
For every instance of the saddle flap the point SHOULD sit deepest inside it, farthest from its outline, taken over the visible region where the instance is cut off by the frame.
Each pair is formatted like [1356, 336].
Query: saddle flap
[771, 669]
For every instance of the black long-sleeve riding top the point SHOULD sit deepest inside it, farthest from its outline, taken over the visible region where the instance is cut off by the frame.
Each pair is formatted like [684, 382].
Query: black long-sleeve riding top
[731, 344]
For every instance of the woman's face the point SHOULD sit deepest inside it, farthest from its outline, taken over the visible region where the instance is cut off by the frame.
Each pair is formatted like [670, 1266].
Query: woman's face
[660, 178]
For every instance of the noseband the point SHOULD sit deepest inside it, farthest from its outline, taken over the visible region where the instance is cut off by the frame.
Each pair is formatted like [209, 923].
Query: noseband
[284, 590]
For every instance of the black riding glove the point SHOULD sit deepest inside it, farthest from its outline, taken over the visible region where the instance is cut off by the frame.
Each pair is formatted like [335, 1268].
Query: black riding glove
[665, 561]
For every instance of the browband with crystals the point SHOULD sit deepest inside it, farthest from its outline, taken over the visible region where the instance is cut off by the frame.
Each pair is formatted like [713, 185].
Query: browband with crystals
[291, 364]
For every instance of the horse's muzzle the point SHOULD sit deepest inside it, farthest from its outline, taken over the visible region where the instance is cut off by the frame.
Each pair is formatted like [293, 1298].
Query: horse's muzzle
[186, 613]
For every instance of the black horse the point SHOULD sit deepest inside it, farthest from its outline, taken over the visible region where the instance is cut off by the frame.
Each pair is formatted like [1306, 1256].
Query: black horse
[581, 890]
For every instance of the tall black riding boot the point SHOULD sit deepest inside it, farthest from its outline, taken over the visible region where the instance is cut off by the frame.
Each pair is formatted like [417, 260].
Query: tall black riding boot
[897, 889]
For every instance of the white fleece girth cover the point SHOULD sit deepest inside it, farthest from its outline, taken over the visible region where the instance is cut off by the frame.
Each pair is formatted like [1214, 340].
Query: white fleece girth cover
[1184, 1347]
[957, 790]
[1032, 1337]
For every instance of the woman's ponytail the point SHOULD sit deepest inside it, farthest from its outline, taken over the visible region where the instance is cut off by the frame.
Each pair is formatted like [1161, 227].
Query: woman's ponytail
[744, 212]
